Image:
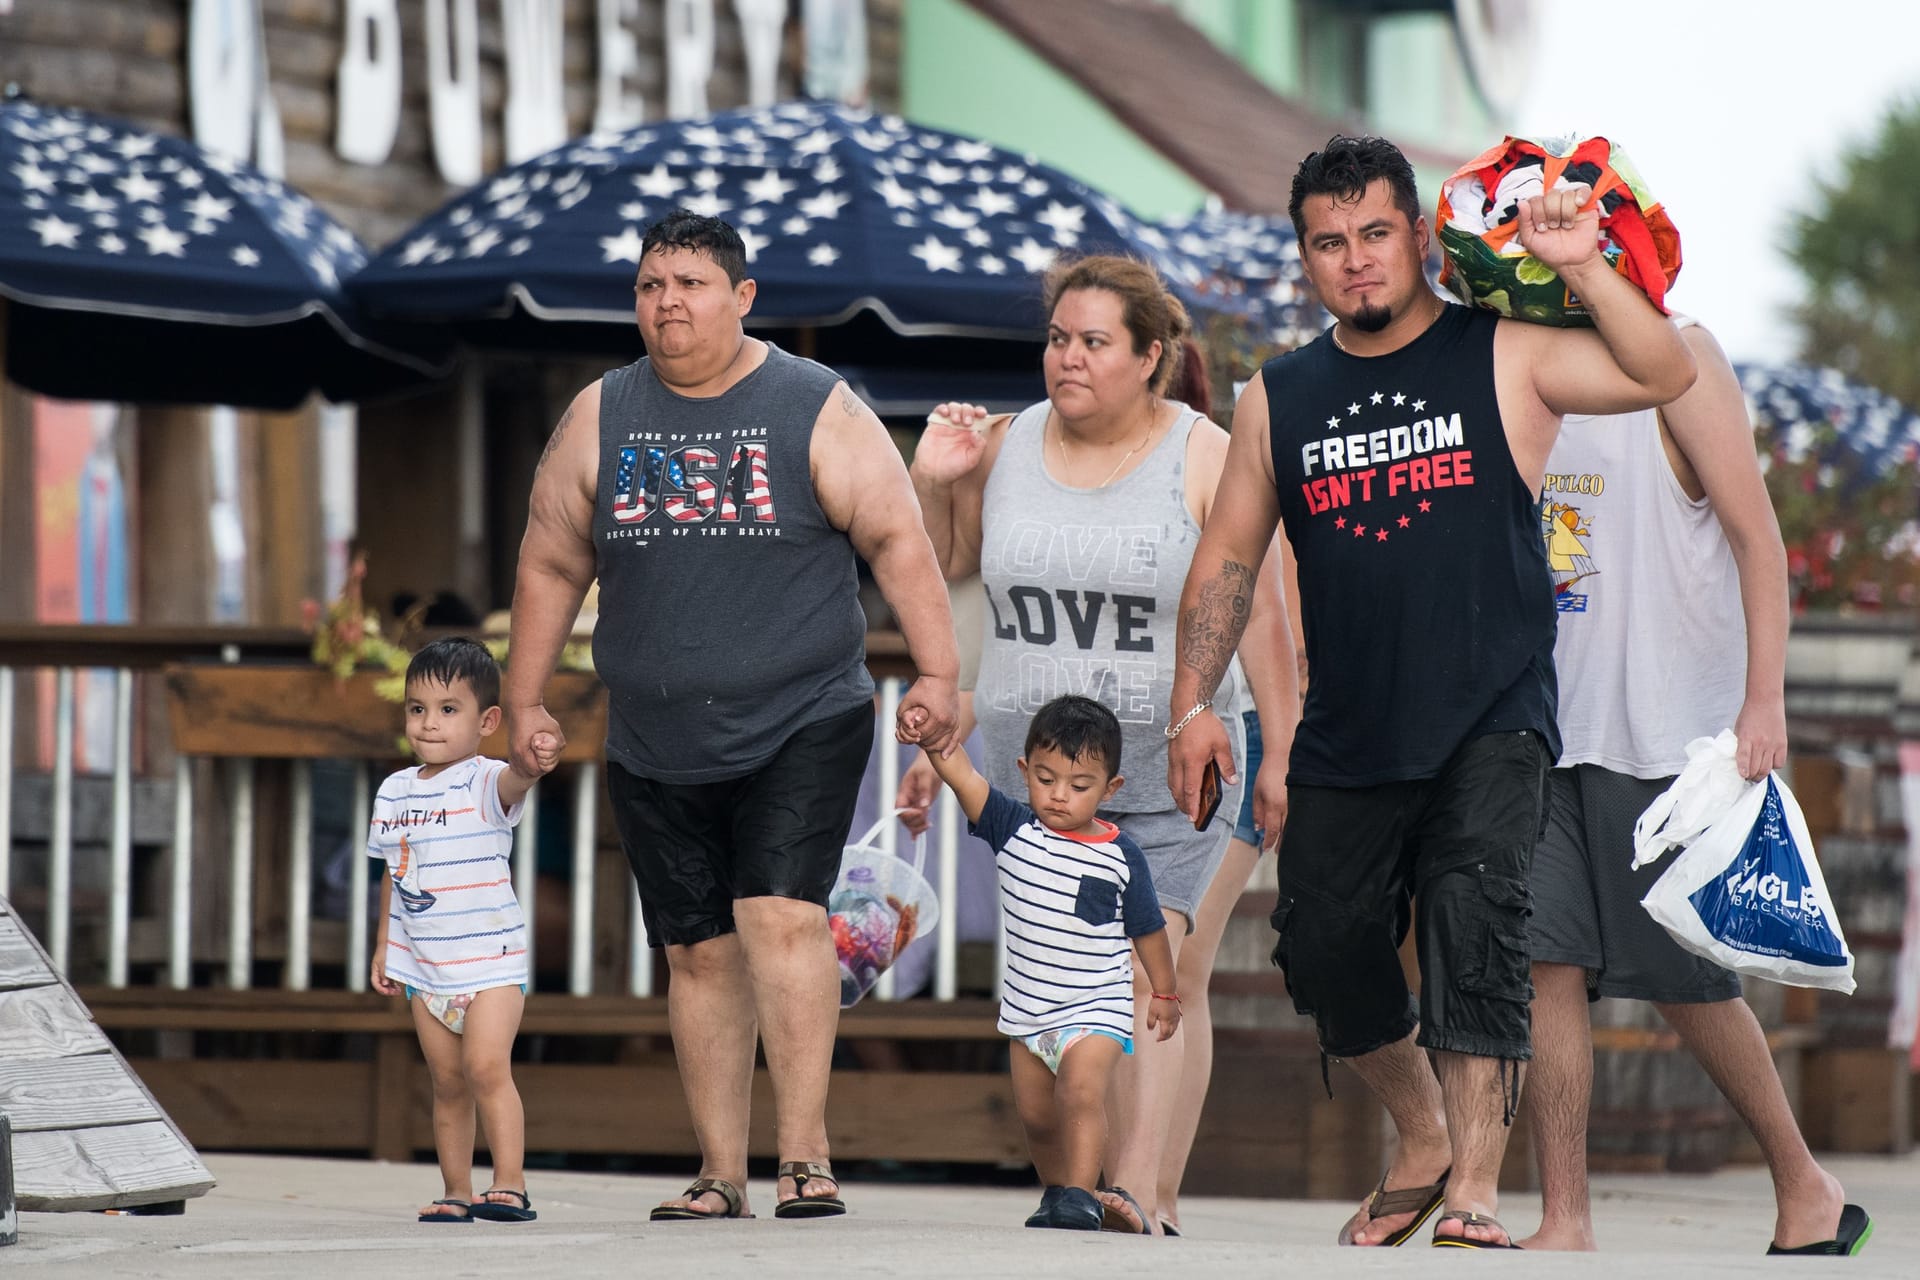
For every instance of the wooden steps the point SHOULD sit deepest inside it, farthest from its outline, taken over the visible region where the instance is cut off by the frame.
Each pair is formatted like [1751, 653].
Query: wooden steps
[86, 1132]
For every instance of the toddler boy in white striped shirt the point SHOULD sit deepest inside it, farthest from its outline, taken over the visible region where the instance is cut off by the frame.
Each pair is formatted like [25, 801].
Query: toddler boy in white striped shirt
[451, 934]
[1078, 903]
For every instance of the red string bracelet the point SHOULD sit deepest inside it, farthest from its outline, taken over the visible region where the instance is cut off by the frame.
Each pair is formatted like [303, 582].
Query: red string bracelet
[1158, 996]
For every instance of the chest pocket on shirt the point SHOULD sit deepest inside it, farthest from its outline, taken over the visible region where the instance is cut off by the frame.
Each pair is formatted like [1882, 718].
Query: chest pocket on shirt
[1098, 900]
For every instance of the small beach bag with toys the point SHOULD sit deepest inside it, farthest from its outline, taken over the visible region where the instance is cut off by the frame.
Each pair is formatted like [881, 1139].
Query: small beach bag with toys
[1479, 227]
[880, 903]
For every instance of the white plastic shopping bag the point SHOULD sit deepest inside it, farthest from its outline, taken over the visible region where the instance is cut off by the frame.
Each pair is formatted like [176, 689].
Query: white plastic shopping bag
[1746, 891]
[879, 904]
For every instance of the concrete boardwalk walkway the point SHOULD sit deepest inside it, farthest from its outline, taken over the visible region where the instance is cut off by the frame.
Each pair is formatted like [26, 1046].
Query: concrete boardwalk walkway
[336, 1219]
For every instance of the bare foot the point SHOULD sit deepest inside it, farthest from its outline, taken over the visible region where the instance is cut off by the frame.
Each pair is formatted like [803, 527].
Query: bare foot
[1409, 1169]
[1558, 1237]
[1810, 1212]
[460, 1210]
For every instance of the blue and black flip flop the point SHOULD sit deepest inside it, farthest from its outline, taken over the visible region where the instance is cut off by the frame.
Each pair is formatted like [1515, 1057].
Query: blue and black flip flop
[450, 1217]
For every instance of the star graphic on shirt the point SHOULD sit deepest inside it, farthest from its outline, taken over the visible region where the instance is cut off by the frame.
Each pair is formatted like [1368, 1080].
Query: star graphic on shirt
[1339, 522]
[1377, 397]
[1380, 535]
[1359, 531]
[1398, 398]
[1353, 408]
[1418, 405]
[1404, 522]
[1333, 424]
[1425, 505]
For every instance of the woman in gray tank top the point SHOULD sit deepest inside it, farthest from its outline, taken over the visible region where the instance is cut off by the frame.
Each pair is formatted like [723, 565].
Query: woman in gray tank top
[1081, 514]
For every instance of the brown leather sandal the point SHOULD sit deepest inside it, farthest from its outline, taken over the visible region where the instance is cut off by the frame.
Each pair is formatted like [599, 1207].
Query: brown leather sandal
[803, 1205]
[697, 1188]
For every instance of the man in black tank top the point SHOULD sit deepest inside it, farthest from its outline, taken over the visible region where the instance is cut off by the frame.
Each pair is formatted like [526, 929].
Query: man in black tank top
[1405, 449]
[719, 490]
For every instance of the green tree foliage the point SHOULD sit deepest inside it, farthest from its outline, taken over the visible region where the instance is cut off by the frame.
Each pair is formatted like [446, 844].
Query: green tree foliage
[1859, 250]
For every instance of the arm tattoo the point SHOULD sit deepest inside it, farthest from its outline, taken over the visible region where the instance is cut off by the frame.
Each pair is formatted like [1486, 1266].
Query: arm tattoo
[553, 441]
[1211, 629]
[849, 401]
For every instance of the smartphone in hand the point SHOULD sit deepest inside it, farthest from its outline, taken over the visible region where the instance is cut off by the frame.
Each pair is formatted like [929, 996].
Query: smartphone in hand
[1210, 788]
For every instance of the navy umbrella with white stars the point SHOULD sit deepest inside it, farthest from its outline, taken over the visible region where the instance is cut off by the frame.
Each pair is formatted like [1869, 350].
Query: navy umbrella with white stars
[138, 266]
[1240, 264]
[1806, 410]
[842, 212]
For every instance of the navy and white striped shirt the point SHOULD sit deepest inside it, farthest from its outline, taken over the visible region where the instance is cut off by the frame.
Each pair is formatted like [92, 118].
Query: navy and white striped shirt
[1072, 904]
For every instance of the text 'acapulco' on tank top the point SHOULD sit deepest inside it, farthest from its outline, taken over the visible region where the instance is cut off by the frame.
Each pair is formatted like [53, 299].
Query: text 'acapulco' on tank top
[1653, 642]
[1423, 580]
[1083, 596]
[729, 608]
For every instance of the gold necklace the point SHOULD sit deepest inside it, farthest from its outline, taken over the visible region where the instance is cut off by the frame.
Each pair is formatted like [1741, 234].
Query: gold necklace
[1334, 333]
[1060, 444]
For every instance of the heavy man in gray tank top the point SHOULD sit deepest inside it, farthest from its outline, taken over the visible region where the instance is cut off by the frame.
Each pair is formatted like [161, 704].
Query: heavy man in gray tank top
[1420, 762]
[720, 489]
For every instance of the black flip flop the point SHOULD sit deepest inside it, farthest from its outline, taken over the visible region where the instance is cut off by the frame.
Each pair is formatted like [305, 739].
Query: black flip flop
[1855, 1229]
[487, 1211]
[1468, 1218]
[450, 1217]
[1168, 1230]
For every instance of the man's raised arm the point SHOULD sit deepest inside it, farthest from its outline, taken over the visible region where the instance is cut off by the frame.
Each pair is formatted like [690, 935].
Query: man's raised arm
[1633, 359]
[555, 569]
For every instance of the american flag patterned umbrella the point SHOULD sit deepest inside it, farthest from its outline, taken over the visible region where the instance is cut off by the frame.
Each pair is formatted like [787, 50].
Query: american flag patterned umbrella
[842, 212]
[140, 267]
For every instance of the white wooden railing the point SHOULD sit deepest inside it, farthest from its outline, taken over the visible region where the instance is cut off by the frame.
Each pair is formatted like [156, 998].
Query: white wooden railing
[577, 785]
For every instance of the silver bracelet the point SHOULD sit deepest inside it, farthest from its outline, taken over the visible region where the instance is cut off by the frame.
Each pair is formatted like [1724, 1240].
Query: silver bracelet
[1173, 730]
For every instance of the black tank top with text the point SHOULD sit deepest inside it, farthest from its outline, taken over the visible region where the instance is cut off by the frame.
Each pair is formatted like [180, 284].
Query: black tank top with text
[1424, 589]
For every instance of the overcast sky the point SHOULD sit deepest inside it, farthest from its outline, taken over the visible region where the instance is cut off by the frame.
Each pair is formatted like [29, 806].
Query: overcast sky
[1731, 111]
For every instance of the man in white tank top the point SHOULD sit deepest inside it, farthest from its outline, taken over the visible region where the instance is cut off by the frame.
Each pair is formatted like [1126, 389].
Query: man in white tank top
[1668, 572]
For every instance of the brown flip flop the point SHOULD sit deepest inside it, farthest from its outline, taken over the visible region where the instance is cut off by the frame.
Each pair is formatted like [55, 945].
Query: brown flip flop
[1468, 1218]
[698, 1187]
[1419, 1201]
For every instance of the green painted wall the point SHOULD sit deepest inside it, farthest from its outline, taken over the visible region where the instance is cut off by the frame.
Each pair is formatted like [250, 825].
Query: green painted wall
[1263, 34]
[960, 71]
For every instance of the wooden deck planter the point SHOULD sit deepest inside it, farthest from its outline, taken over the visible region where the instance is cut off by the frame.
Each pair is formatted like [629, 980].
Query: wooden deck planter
[304, 713]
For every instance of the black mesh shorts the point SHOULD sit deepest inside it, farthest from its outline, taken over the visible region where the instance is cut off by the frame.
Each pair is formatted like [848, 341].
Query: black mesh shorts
[1587, 895]
[776, 833]
[1355, 861]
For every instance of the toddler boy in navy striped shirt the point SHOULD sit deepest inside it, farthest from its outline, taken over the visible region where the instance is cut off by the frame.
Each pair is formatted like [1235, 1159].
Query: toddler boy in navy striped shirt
[1078, 903]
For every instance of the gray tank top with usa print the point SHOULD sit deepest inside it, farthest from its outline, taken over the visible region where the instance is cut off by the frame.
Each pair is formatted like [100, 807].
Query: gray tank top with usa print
[729, 609]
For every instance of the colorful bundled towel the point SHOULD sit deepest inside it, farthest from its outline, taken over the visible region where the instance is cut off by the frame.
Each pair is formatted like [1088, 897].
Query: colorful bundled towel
[1479, 221]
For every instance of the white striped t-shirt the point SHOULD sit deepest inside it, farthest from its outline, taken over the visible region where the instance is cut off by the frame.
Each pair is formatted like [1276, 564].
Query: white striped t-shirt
[1072, 904]
[454, 925]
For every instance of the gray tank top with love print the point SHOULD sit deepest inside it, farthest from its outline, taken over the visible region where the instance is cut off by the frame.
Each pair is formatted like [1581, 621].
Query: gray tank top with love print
[1083, 596]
